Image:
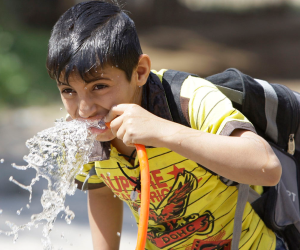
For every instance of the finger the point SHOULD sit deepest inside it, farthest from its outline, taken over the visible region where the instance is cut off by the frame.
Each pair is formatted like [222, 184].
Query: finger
[120, 133]
[127, 139]
[116, 111]
[116, 124]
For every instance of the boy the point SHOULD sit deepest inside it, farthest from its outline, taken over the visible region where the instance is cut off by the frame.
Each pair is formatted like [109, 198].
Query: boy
[101, 72]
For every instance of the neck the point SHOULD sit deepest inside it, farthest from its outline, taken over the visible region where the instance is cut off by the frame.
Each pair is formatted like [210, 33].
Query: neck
[122, 148]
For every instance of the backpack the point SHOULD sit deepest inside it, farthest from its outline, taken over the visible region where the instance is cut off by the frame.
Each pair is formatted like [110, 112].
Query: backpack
[274, 110]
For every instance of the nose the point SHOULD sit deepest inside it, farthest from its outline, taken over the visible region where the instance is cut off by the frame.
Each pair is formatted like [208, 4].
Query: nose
[87, 108]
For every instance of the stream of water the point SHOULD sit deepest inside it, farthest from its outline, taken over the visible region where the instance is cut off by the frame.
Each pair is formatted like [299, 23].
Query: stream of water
[58, 155]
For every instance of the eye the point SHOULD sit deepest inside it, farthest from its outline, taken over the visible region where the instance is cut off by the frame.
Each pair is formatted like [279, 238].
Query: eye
[100, 86]
[68, 91]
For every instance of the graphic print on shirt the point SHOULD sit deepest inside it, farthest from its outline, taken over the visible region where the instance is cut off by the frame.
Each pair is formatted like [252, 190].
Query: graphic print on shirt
[213, 243]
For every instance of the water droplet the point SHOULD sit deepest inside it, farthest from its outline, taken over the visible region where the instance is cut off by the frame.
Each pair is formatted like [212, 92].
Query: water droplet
[60, 109]
[133, 195]
[102, 75]
[28, 206]
[15, 238]
[70, 93]
[1, 211]
[119, 234]
[263, 170]
[85, 88]
[11, 178]
[115, 196]
[2, 160]
[19, 211]
[108, 174]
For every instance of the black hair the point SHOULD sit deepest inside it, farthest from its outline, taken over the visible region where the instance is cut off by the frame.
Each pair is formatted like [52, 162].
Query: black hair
[91, 35]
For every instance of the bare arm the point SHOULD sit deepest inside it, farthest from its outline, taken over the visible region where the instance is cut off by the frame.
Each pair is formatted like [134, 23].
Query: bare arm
[243, 157]
[105, 216]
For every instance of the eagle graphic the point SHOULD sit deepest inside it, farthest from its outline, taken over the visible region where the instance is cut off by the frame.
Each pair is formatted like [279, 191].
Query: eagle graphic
[168, 215]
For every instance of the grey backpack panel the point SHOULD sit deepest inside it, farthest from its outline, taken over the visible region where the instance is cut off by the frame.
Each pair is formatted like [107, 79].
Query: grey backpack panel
[287, 205]
[297, 136]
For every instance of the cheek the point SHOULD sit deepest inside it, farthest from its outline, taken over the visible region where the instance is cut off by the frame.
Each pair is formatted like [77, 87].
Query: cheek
[69, 106]
[126, 94]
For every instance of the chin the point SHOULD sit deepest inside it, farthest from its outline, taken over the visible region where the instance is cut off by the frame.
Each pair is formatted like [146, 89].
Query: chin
[104, 138]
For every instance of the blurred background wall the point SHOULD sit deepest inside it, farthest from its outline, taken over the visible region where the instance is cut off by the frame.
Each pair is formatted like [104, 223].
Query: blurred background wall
[258, 37]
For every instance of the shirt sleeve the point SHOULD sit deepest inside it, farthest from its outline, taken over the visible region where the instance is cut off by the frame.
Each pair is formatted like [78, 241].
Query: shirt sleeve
[211, 111]
[94, 181]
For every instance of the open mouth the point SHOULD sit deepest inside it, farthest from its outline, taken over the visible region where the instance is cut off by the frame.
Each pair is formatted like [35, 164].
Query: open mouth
[96, 126]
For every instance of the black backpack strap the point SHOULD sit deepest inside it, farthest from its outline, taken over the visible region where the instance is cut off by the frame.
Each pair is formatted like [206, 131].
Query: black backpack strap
[172, 82]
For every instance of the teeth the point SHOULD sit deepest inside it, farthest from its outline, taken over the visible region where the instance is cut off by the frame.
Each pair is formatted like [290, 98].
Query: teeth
[101, 124]
[96, 124]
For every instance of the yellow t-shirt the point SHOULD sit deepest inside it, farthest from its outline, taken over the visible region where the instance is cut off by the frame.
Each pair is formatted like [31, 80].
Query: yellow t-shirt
[190, 208]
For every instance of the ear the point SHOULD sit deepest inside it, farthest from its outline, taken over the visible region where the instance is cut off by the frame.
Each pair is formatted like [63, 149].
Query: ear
[143, 69]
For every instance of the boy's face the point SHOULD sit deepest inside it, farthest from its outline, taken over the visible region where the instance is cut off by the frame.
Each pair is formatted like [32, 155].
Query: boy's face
[92, 100]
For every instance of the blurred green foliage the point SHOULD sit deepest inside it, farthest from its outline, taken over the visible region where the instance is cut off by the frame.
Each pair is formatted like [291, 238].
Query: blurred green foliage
[24, 79]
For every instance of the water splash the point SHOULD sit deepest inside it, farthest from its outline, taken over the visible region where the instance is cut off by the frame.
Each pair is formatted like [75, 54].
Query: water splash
[57, 154]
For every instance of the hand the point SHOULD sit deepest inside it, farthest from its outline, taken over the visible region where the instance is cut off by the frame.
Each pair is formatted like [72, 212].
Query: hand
[134, 125]
[68, 118]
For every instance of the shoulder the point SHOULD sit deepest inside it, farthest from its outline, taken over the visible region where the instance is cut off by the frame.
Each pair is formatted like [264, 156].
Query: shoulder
[193, 84]
[190, 85]
[159, 73]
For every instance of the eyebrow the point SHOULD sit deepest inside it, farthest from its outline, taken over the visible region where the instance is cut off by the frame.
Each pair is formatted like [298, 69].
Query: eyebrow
[87, 81]
[94, 79]
[62, 83]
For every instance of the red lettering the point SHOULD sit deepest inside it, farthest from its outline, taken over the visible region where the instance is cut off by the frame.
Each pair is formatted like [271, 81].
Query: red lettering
[154, 196]
[125, 183]
[158, 178]
[159, 195]
[164, 192]
[165, 239]
[201, 225]
[152, 183]
[119, 189]
[181, 234]
[174, 236]
[190, 228]
[105, 180]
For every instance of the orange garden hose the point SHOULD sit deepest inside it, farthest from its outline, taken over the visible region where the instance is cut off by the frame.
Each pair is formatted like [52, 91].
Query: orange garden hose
[145, 195]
